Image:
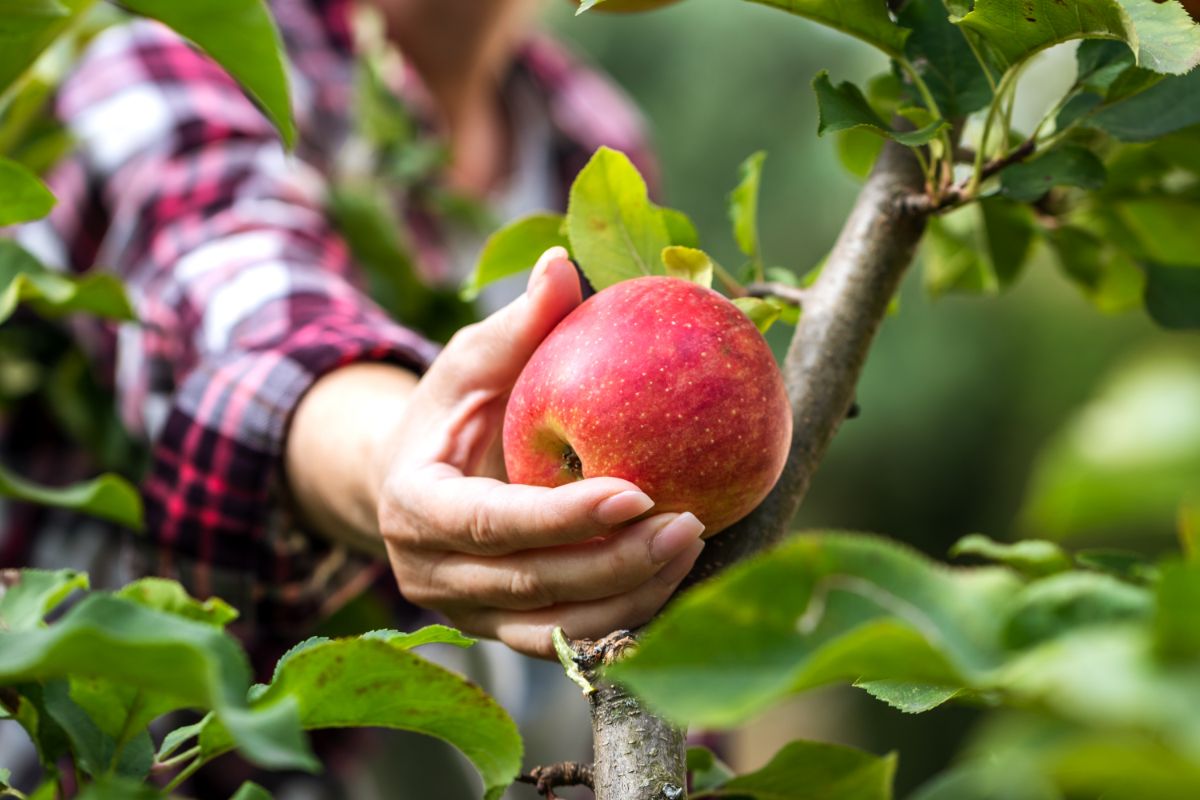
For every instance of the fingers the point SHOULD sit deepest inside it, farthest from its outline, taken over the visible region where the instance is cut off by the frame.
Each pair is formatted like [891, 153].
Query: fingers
[529, 631]
[440, 510]
[589, 571]
[489, 355]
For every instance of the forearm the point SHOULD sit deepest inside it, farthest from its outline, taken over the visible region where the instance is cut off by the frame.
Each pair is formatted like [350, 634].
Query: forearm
[337, 450]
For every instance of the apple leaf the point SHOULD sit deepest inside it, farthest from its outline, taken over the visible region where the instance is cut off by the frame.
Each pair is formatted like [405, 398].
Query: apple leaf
[762, 311]
[978, 249]
[805, 770]
[108, 497]
[24, 279]
[1168, 41]
[680, 228]
[31, 33]
[689, 264]
[910, 698]
[1176, 624]
[863, 19]
[251, 791]
[1032, 557]
[857, 149]
[30, 594]
[1017, 33]
[1104, 273]
[1070, 165]
[241, 36]
[743, 206]
[514, 249]
[374, 681]
[706, 770]
[941, 55]
[1168, 105]
[1099, 62]
[844, 106]
[168, 596]
[22, 196]
[1163, 228]
[616, 233]
[23, 18]
[1173, 295]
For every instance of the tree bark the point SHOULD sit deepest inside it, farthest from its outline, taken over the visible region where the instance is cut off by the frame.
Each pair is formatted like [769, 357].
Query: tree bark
[639, 756]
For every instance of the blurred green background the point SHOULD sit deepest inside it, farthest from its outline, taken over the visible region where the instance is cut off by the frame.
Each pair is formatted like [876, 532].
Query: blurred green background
[961, 394]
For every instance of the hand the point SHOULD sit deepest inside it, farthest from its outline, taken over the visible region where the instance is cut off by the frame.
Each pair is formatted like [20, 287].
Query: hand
[508, 561]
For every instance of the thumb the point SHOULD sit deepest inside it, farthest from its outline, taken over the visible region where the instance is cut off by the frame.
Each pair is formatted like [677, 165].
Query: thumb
[491, 354]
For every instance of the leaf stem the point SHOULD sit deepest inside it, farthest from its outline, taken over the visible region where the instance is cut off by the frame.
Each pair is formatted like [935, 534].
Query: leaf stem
[183, 775]
[726, 278]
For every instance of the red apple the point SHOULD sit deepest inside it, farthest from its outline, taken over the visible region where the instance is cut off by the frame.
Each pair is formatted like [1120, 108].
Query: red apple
[663, 383]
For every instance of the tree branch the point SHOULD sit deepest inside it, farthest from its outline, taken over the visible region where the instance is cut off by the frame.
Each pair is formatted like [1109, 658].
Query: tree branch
[641, 757]
[548, 778]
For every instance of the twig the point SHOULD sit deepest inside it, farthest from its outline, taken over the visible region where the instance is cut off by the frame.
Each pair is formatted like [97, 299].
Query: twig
[921, 203]
[548, 778]
[792, 295]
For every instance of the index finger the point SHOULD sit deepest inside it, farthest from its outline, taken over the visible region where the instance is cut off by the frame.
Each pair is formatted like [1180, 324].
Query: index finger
[446, 511]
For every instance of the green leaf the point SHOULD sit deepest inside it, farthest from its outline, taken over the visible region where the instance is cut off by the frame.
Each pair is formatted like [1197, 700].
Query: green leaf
[108, 497]
[743, 206]
[1016, 33]
[24, 279]
[514, 249]
[377, 683]
[1032, 557]
[806, 770]
[175, 662]
[818, 609]
[1171, 104]
[1069, 165]
[177, 738]
[38, 31]
[430, 634]
[941, 55]
[680, 229]
[30, 594]
[1099, 62]
[1168, 41]
[1173, 296]
[616, 233]
[863, 19]
[1176, 623]
[20, 19]
[240, 35]
[980, 248]
[706, 770]
[1123, 564]
[857, 149]
[1069, 601]
[1127, 458]
[94, 751]
[688, 264]
[1164, 228]
[910, 698]
[22, 196]
[761, 311]
[168, 596]
[844, 106]
[1104, 273]
[251, 791]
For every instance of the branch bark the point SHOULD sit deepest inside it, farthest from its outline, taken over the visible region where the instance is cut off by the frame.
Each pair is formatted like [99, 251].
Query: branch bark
[637, 757]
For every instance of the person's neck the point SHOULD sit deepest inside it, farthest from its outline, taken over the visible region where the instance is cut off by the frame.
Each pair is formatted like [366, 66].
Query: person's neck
[462, 50]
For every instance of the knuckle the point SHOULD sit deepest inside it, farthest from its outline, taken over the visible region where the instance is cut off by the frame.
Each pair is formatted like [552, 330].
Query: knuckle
[482, 531]
[527, 589]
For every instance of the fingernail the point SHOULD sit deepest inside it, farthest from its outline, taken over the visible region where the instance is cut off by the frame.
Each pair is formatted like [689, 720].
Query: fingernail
[675, 537]
[682, 564]
[539, 270]
[623, 507]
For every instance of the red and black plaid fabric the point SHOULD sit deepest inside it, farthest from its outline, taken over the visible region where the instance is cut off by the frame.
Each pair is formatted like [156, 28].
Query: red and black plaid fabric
[244, 291]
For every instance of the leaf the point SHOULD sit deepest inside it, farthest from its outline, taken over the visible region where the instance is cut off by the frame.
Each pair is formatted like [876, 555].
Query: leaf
[108, 497]
[94, 751]
[1173, 296]
[377, 683]
[616, 233]
[251, 791]
[941, 55]
[762, 312]
[863, 19]
[20, 19]
[843, 107]
[1123, 564]
[979, 249]
[743, 206]
[1104, 273]
[240, 35]
[514, 249]
[818, 609]
[177, 738]
[1032, 557]
[23, 278]
[1070, 601]
[1164, 229]
[430, 634]
[806, 770]
[1127, 458]
[168, 596]
[1169, 105]
[182, 664]
[910, 698]
[1176, 623]
[706, 770]
[688, 264]
[857, 149]
[30, 594]
[22, 196]
[19, 52]
[1017, 32]
[1069, 165]
[1168, 41]
[110, 788]
[1099, 62]
[680, 229]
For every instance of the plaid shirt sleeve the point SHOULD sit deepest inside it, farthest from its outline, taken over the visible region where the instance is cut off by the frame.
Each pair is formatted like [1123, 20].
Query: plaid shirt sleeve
[245, 294]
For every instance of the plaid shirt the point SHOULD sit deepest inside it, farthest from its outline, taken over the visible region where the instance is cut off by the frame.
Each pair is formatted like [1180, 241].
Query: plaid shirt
[244, 291]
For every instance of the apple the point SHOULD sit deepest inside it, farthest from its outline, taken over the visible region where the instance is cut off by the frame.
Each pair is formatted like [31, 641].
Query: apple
[661, 382]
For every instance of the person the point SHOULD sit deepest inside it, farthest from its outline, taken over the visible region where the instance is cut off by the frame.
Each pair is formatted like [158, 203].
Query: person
[297, 434]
